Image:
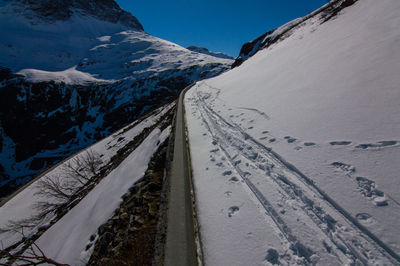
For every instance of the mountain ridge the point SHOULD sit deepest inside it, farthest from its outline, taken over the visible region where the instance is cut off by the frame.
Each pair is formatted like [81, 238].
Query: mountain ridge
[72, 78]
[267, 39]
[56, 10]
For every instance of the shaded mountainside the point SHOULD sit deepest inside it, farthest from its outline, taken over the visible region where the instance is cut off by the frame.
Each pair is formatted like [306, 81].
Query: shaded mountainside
[74, 71]
[44, 122]
[55, 10]
[264, 41]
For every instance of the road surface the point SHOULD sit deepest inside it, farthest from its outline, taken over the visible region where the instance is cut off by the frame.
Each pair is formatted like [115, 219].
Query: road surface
[181, 245]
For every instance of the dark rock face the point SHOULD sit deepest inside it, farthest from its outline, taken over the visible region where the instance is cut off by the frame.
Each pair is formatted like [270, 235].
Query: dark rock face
[43, 123]
[129, 236]
[47, 122]
[264, 41]
[54, 10]
[250, 48]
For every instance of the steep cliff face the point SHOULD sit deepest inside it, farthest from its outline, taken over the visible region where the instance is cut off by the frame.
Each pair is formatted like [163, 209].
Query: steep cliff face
[72, 72]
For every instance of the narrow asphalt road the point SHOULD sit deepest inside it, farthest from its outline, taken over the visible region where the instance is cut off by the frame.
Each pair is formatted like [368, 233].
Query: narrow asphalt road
[180, 247]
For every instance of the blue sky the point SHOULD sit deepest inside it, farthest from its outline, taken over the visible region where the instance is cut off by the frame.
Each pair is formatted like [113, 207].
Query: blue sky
[219, 25]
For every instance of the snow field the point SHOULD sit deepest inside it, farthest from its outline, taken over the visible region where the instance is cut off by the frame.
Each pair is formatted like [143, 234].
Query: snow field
[308, 129]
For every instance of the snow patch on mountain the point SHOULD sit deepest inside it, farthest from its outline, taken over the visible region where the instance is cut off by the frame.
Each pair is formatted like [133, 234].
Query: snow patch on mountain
[140, 55]
[69, 76]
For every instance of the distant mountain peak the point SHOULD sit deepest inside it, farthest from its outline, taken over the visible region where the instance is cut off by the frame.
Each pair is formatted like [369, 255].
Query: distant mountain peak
[203, 50]
[61, 10]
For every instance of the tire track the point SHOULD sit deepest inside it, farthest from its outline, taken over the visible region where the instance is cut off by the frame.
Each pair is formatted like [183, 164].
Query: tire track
[358, 245]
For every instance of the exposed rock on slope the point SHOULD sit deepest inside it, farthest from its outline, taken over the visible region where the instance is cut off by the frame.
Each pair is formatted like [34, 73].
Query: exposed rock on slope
[74, 71]
[54, 10]
[264, 41]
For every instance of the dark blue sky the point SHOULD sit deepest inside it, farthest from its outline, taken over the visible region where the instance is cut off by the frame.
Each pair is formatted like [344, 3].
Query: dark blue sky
[219, 25]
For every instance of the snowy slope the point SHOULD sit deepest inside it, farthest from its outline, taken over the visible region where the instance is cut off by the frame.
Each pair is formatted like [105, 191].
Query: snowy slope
[101, 47]
[31, 41]
[22, 206]
[66, 240]
[139, 55]
[301, 144]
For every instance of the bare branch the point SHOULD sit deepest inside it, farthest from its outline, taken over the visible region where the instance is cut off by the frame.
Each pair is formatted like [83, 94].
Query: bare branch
[30, 257]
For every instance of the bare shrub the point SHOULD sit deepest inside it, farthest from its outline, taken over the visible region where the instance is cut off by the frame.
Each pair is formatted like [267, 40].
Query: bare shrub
[58, 189]
[34, 255]
[82, 167]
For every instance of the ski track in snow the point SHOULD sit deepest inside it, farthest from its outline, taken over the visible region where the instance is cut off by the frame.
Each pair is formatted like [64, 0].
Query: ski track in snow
[311, 224]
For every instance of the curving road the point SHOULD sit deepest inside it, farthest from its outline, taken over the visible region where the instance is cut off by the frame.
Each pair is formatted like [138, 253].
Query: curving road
[181, 247]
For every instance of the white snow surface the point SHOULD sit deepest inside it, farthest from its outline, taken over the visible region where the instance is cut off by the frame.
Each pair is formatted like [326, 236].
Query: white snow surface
[70, 76]
[22, 205]
[304, 131]
[66, 240]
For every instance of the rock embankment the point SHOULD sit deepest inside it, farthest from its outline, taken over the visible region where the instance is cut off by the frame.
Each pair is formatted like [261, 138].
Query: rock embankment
[129, 236]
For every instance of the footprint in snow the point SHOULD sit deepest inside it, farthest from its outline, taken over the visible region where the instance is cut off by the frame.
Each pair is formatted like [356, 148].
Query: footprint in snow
[347, 168]
[228, 172]
[368, 189]
[289, 139]
[228, 194]
[234, 179]
[365, 218]
[232, 210]
[340, 143]
[379, 144]
[308, 144]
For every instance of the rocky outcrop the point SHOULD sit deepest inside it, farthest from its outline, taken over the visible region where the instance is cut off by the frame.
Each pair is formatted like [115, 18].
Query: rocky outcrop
[55, 10]
[129, 236]
[264, 41]
[43, 123]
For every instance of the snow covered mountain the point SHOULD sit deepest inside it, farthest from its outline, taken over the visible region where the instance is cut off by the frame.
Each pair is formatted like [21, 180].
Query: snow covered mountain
[204, 50]
[295, 152]
[74, 71]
